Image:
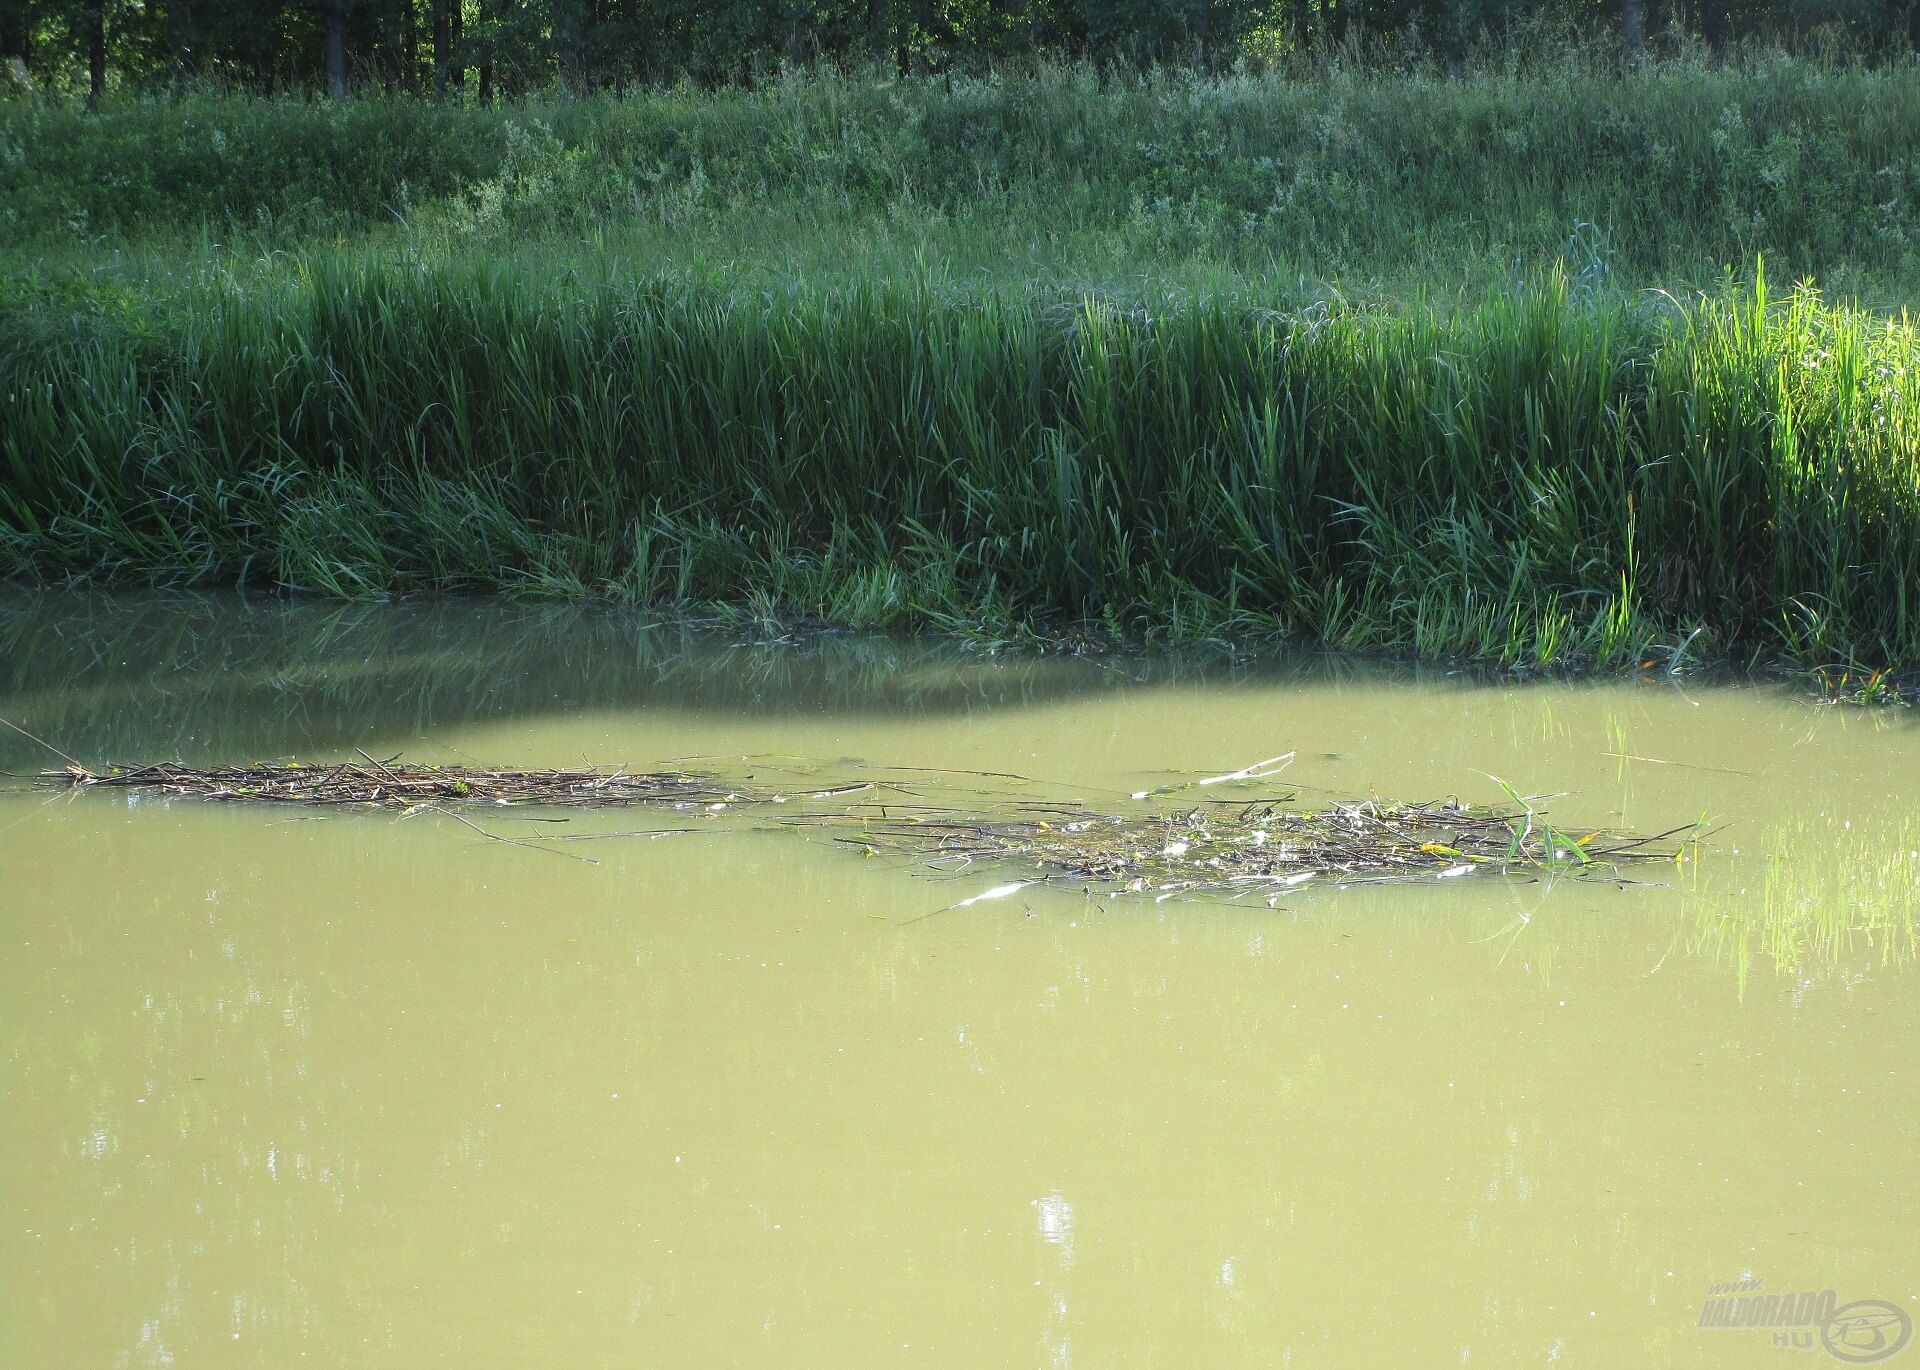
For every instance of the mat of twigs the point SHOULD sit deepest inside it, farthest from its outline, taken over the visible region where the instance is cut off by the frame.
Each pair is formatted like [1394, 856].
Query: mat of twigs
[1246, 849]
[392, 784]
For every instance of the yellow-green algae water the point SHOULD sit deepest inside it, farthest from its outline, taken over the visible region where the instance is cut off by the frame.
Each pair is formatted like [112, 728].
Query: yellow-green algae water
[290, 1087]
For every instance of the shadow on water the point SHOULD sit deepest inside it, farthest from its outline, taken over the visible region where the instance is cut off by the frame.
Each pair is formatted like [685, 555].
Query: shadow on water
[198, 677]
[225, 676]
[208, 679]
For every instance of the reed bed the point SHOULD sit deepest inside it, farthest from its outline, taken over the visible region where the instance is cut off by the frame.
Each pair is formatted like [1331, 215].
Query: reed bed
[1240, 850]
[1535, 479]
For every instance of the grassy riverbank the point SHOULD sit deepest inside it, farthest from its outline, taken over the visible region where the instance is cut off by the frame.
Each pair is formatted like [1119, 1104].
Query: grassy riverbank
[1534, 478]
[1395, 181]
[1172, 356]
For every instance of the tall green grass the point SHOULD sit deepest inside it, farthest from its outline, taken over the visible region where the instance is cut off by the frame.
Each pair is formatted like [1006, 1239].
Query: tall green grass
[1406, 360]
[1661, 177]
[1540, 477]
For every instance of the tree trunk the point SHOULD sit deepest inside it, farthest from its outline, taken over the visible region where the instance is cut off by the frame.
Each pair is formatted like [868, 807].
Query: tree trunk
[390, 46]
[481, 10]
[1335, 20]
[485, 92]
[795, 41]
[180, 35]
[96, 22]
[409, 49]
[1633, 27]
[457, 41]
[573, 23]
[333, 16]
[16, 36]
[1299, 28]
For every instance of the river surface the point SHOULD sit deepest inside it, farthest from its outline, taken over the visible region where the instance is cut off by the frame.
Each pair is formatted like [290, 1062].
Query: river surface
[287, 1087]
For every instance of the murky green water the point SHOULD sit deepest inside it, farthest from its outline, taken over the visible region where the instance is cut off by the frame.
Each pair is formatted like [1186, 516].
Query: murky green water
[345, 1089]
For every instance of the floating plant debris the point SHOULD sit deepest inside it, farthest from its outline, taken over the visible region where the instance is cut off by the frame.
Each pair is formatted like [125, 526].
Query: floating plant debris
[1239, 849]
[389, 784]
[1254, 849]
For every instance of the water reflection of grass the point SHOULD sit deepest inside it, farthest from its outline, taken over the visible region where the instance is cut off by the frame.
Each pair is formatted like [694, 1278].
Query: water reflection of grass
[1834, 899]
[229, 678]
[225, 678]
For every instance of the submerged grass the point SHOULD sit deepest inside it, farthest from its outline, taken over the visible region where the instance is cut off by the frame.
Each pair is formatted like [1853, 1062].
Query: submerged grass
[1539, 478]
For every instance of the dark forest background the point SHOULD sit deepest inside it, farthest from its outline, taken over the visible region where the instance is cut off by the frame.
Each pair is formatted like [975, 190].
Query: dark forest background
[476, 49]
